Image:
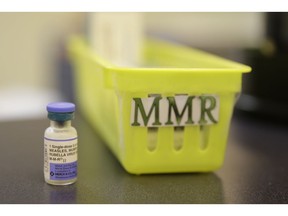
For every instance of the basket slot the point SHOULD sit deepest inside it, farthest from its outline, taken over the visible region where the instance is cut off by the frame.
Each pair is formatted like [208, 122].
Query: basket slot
[191, 140]
[179, 133]
[178, 138]
[165, 141]
[152, 134]
[204, 137]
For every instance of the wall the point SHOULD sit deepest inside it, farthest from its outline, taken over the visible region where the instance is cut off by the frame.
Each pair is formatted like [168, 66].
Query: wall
[31, 43]
[211, 30]
[28, 46]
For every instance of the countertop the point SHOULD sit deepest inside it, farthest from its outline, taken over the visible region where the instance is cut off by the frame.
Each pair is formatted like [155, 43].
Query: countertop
[255, 169]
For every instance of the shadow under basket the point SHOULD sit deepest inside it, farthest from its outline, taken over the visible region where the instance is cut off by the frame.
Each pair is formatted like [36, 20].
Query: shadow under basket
[171, 117]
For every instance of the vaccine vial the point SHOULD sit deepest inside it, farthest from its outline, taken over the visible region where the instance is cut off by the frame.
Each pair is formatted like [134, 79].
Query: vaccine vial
[60, 145]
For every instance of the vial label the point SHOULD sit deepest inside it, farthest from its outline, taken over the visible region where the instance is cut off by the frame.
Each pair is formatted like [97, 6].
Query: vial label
[60, 158]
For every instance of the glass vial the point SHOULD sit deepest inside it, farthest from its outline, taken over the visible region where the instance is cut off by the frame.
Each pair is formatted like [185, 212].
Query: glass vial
[60, 145]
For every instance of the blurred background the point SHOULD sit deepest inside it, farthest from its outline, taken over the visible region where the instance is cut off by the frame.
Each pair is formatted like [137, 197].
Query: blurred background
[35, 70]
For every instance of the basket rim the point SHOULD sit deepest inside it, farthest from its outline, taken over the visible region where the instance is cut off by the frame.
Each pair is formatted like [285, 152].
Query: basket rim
[78, 43]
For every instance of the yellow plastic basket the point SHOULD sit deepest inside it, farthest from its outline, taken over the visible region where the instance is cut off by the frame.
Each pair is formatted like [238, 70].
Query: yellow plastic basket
[107, 95]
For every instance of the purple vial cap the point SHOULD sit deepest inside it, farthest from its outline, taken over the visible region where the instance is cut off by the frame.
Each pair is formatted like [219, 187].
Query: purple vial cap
[61, 107]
